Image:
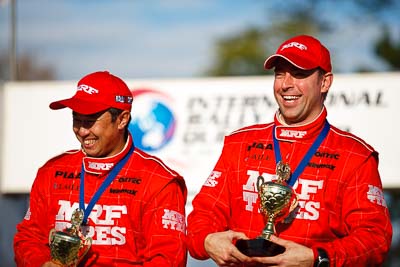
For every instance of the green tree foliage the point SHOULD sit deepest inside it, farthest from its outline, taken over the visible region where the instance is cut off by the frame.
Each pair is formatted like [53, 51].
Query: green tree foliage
[389, 51]
[239, 55]
[245, 52]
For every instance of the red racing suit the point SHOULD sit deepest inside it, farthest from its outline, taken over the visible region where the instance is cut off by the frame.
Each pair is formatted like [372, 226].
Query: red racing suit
[139, 220]
[341, 207]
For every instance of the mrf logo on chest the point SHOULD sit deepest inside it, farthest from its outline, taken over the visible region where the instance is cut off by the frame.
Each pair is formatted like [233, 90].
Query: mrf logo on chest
[105, 217]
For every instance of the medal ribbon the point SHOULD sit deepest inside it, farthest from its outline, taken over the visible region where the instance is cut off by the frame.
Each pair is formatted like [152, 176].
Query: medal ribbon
[110, 177]
[303, 163]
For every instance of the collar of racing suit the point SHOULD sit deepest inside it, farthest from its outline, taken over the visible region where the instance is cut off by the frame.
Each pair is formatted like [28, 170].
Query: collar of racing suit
[102, 166]
[299, 132]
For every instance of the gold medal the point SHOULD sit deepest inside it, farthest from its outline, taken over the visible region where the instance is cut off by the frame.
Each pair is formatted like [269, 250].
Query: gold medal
[77, 218]
[282, 171]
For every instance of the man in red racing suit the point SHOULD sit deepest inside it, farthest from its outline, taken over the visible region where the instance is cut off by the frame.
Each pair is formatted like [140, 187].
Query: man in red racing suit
[341, 204]
[139, 220]
[341, 207]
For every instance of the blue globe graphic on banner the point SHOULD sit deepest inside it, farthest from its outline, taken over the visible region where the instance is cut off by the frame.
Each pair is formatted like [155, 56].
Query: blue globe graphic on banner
[153, 123]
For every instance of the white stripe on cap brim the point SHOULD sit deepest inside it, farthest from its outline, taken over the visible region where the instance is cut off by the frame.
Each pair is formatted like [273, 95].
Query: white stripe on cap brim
[290, 61]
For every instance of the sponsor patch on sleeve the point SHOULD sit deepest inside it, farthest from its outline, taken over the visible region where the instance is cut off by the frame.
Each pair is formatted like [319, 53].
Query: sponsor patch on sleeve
[375, 195]
[174, 220]
[212, 179]
[28, 214]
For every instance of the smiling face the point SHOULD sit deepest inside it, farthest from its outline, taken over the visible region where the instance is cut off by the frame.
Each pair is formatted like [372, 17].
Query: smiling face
[100, 135]
[299, 93]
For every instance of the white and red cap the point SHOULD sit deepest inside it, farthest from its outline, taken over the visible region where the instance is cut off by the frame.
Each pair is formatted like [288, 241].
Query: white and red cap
[97, 92]
[304, 52]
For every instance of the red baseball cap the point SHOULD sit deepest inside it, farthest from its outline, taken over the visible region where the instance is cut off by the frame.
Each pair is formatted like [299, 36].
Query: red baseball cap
[97, 92]
[304, 52]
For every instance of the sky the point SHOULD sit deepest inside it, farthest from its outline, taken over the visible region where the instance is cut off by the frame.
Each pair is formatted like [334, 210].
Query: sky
[156, 39]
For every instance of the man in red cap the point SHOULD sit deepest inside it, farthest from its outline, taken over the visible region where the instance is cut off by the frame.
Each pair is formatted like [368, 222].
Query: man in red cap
[335, 215]
[125, 207]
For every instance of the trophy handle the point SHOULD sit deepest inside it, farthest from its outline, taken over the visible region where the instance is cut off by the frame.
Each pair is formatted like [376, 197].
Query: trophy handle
[51, 235]
[260, 181]
[295, 201]
[87, 243]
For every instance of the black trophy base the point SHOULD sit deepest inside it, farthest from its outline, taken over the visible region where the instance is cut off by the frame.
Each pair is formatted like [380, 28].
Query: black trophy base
[259, 247]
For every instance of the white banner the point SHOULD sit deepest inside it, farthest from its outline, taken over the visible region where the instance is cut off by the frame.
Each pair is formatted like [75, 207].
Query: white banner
[184, 121]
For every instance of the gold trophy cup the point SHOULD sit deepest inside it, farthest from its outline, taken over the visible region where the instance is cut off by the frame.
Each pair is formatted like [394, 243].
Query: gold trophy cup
[277, 200]
[68, 247]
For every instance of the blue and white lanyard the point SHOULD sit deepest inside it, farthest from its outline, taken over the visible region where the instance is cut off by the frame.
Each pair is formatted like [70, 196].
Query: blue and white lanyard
[111, 176]
[303, 163]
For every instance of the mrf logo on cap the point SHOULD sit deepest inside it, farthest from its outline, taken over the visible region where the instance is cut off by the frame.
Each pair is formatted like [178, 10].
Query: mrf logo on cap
[294, 44]
[87, 89]
[304, 52]
[97, 92]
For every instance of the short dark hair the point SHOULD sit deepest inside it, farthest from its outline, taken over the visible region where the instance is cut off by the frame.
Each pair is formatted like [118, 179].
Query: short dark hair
[115, 112]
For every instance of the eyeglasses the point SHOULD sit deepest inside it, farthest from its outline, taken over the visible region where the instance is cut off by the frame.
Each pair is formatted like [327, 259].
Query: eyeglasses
[85, 121]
